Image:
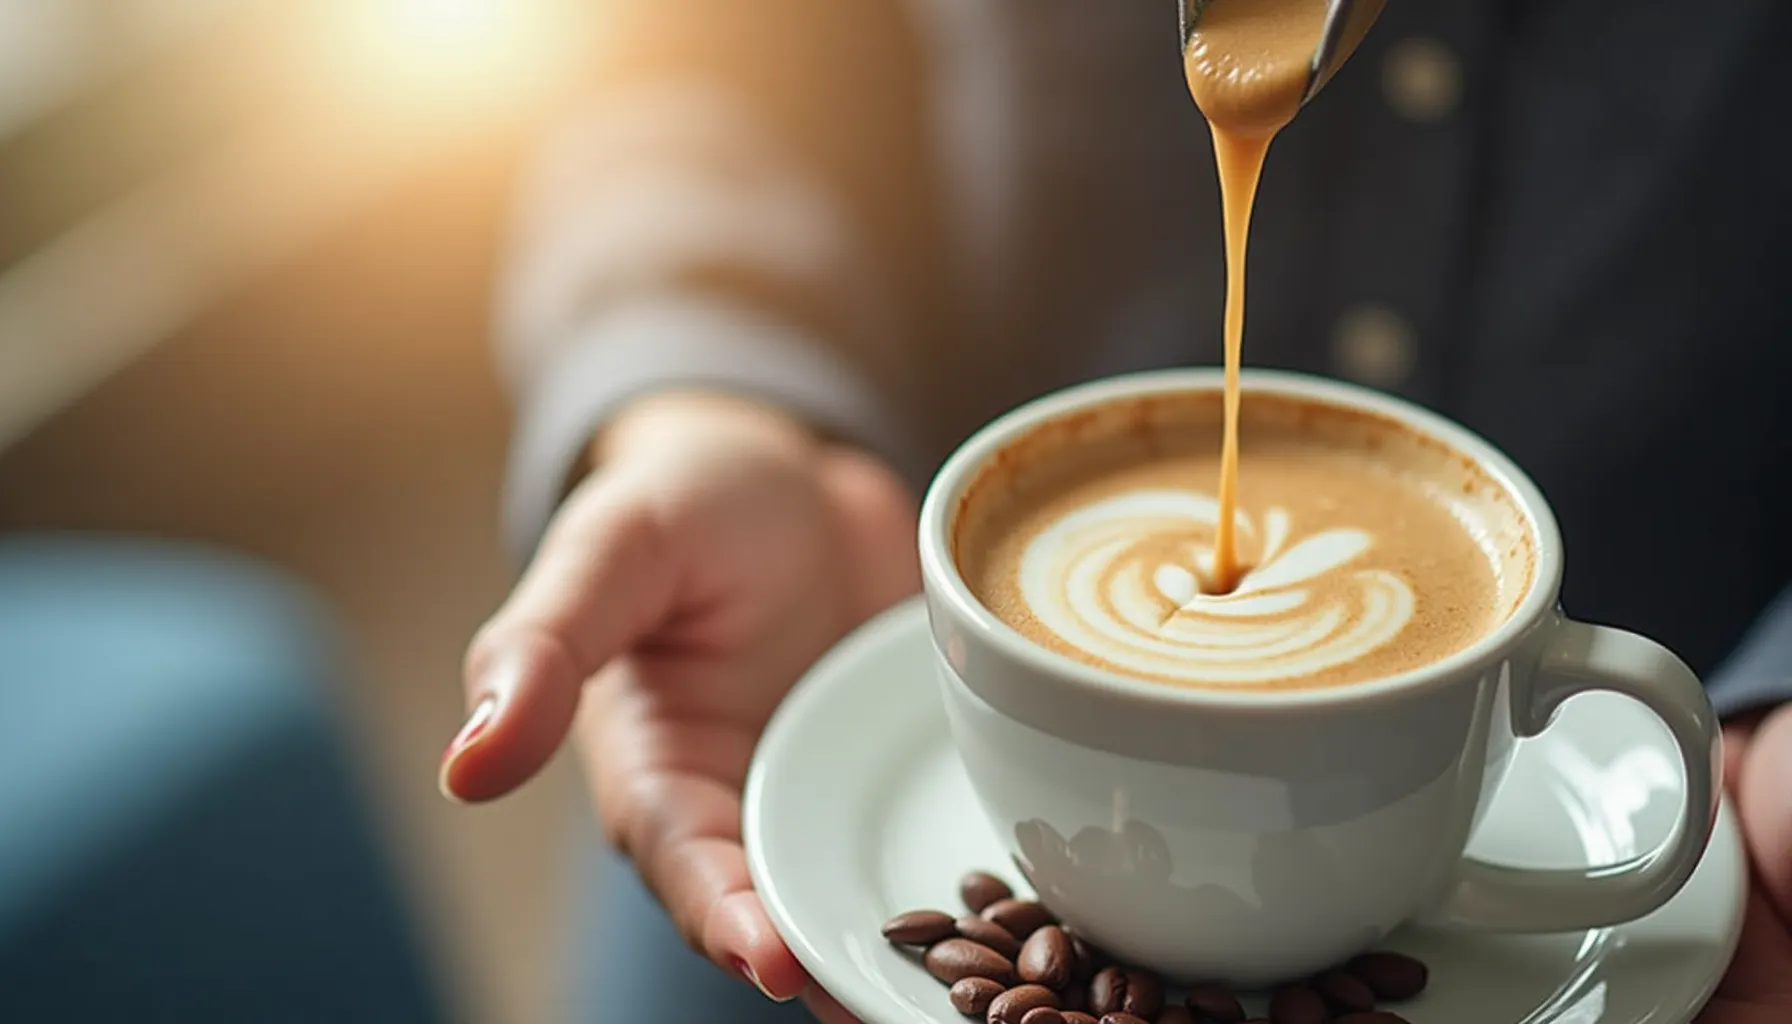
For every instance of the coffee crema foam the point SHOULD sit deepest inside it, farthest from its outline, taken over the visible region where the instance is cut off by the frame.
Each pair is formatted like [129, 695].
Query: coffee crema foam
[1121, 580]
[1369, 549]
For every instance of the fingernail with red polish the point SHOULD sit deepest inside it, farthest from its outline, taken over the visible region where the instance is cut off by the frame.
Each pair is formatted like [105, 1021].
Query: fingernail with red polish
[746, 971]
[477, 722]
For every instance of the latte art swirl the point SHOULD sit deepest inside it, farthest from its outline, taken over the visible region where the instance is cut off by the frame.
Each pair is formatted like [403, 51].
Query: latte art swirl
[1119, 579]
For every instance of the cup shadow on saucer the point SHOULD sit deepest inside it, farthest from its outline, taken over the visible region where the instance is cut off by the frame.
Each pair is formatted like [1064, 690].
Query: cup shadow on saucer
[1127, 874]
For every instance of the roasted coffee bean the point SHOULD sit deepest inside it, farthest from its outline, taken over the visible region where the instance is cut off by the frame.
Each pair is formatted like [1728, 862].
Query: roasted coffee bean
[1215, 1004]
[990, 934]
[1122, 1018]
[1372, 1017]
[1046, 958]
[1021, 917]
[980, 888]
[919, 928]
[1078, 1017]
[972, 996]
[1106, 990]
[1144, 994]
[1042, 1015]
[1391, 976]
[1344, 992]
[1177, 1015]
[1011, 1007]
[1089, 959]
[1117, 990]
[1297, 1004]
[955, 959]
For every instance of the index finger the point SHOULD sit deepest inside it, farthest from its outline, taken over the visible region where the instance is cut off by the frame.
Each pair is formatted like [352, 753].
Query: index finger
[602, 577]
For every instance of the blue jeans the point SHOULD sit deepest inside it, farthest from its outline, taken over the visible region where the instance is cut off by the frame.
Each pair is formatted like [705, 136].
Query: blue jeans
[181, 838]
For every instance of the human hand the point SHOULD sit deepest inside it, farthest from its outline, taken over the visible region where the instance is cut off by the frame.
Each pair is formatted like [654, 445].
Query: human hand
[680, 591]
[1758, 772]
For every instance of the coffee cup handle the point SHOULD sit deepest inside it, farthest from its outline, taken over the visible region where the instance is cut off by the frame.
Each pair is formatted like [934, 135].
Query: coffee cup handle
[1578, 658]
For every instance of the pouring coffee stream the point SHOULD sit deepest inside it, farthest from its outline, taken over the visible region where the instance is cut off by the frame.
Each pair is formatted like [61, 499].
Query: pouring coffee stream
[1252, 65]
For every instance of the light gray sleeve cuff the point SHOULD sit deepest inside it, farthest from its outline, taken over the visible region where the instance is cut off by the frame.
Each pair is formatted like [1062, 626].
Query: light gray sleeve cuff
[679, 341]
[1759, 673]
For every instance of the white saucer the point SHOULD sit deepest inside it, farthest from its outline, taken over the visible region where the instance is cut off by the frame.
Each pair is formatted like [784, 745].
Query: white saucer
[857, 809]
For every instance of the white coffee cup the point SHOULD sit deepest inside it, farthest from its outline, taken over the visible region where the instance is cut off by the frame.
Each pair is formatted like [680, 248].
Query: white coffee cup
[1251, 836]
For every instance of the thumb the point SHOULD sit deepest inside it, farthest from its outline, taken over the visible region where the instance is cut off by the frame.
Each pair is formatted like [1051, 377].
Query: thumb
[1764, 803]
[600, 580]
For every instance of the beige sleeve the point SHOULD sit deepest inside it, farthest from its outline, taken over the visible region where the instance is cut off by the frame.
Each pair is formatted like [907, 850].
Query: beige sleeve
[742, 203]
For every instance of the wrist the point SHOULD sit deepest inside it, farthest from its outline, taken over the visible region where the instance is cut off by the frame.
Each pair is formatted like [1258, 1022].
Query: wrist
[696, 416]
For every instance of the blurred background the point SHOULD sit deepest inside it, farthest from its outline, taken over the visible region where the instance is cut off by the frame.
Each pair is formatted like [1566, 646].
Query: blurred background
[246, 253]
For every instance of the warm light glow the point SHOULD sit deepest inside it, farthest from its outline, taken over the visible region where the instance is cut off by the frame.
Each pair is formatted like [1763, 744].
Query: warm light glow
[452, 31]
[451, 56]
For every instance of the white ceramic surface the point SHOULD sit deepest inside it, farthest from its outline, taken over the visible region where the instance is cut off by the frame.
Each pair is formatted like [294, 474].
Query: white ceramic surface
[1251, 834]
[857, 808]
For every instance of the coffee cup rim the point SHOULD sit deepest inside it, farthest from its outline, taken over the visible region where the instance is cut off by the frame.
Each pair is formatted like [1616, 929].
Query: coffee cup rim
[941, 574]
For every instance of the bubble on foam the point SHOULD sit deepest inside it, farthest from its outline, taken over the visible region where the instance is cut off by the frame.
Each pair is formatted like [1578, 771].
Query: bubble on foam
[1120, 580]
